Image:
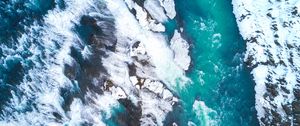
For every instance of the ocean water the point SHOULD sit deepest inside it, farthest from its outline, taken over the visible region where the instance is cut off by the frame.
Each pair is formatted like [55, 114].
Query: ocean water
[221, 91]
[15, 17]
[220, 81]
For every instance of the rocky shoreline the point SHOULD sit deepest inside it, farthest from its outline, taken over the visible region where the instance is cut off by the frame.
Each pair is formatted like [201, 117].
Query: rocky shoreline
[149, 54]
[270, 29]
[97, 58]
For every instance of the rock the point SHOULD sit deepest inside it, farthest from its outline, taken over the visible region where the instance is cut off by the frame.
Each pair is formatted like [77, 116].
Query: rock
[70, 71]
[296, 107]
[284, 89]
[132, 114]
[295, 11]
[156, 11]
[297, 93]
[269, 46]
[108, 84]
[169, 7]
[180, 48]
[133, 80]
[296, 119]
[276, 117]
[118, 93]
[272, 88]
[287, 108]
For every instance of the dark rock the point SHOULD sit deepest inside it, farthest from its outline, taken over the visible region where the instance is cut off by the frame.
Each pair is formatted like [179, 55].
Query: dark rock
[269, 15]
[252, 40]
[243, 17]
[144, 62]
[249, 61]
[266, 121]
[140, 2]
[141, 81]
[276, 42]
[282, 81]
[108, 84]
[281, 62]
[288, 123]
[285, 90]
[152, 117]
[291, 61]
[285, 24]
[269, 78]
[287, 108]
[132, 69]
[295, 11]
[296, 107]
[132, 114]
[296, 119]
[133, 11]
[57, 116]
[289, 45]
[136, 44]
[297, 93]
[274, 27]
[272, 89]
[70, 71]
[276, 118]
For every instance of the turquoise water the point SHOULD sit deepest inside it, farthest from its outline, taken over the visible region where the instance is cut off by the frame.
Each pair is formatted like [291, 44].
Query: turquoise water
[220, 80]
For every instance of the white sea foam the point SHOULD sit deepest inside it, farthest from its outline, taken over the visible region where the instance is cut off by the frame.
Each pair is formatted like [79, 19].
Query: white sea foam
[155, 44]
[204, 113]
[46, 80]
[156, 99]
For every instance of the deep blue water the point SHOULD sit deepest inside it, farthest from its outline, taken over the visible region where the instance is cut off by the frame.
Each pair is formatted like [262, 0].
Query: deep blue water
[16, 16]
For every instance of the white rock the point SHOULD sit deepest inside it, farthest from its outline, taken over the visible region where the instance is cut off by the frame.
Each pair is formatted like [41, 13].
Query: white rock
[155, 10]
[154, 86]
[133, 80]
[169, 7]
[180, 48]
[118, 93]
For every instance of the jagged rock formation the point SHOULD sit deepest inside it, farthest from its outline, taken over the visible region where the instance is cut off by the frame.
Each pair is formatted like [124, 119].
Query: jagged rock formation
[271, 29]
[91, 57]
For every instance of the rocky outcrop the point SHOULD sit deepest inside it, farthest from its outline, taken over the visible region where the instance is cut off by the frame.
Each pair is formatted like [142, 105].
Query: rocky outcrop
[92, 58]
[142, 56]
[270, 29]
